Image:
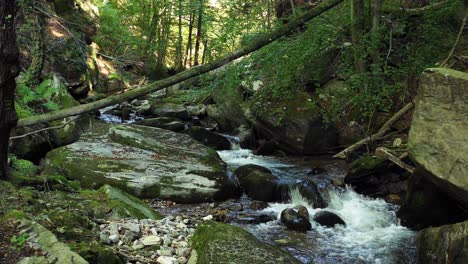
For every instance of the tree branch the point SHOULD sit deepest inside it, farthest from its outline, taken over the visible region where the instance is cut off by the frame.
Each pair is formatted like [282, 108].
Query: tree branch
[344, 154]
[44, 129]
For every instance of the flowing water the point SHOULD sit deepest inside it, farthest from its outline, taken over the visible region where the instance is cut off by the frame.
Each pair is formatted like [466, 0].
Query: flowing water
[372, 233]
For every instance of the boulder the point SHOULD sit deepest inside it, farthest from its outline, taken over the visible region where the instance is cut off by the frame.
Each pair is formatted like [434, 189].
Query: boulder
[56, 251]
[245, 170]
[266, 148]
[147, 162]
[309, 190]
[168, 123]
[438, 136]
[123, 205]
[170, 110]
[299, 128]
[209, 138]
[427, 205]
[329, 219]
[221, 243]
[295, 220]
[261, 186]
[443, 245]
[372, 176]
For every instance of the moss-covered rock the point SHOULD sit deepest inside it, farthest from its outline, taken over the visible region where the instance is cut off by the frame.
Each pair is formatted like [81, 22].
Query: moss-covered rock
[124, 205]
[147, 162]
[221, 243]
[57, 252]
[437, 139]
[209, 138]
[168, 123]
[443, 245]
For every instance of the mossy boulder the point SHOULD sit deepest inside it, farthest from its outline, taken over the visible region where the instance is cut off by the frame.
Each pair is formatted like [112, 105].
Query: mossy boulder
[437, 139]
[169, 110]
[296, 124]
[245, 170]
[124, 205]
[57, 252]
[169, 123]
[222, 244]
[443, 245]
[144, 161]
[209, 138]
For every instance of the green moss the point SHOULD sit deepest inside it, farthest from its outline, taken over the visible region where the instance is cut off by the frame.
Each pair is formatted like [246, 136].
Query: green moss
[23, 167]
[96, 253]
[221, 243]
[367, 163]
[14, 214]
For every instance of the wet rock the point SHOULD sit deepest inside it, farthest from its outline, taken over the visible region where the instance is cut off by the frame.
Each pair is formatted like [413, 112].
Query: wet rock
[426, 205]
[245, 170]
[258, 205]
[291, 218]
[246, 139]
[168, 123]
[310, 191]
[209, 138]
[166, 260]
[329, 219]
[302, 211]
[254, 218]
[443, 245]
[148, 162]
[437, 139]
[170, 110]
[222, 243]
[261, 186]
[266, 148]
[197, 110]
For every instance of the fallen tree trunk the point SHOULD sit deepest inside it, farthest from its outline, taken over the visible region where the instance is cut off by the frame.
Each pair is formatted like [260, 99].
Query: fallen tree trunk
[193, 72]
[385, 153]
[344, 154]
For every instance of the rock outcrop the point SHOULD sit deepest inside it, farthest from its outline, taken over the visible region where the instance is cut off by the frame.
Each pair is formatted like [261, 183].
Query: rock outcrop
[438, 141]
[221, 243]
[147, 162]
[443, 245]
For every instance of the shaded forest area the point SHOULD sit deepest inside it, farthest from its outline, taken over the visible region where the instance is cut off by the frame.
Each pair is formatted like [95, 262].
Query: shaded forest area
[226, 131]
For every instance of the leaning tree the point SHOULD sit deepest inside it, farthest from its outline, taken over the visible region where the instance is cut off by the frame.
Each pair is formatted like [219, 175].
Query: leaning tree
[9, 69]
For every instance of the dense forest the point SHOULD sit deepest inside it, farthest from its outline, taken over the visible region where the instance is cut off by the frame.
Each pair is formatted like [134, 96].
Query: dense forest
[228, 131]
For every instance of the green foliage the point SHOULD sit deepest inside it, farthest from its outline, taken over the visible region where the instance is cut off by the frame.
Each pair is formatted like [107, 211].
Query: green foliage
[40, 98]
[19, 241]
[23, 167]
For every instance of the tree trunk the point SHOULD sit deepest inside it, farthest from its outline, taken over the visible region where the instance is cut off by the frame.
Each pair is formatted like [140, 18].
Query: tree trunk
[188, 51]
[205, 50]
[183, 76]
[357, 31]
[199, 32]
[9, 69]
[178, 60]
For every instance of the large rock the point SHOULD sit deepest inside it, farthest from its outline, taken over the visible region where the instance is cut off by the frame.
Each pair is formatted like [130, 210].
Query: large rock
[147, 162]
[329, 219]
[310, 191]
[296, 219]
[169, 110]
[258, 182]
[56, 251]
[443, 245]
[209, 138]
[299, 128]
[438, 137]
[222, 244]
[168, 123]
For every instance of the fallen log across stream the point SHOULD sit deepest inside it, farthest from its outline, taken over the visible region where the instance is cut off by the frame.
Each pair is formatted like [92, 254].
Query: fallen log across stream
[193, 72]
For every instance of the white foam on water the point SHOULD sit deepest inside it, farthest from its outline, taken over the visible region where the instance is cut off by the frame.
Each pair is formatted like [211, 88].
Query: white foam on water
[372, 234]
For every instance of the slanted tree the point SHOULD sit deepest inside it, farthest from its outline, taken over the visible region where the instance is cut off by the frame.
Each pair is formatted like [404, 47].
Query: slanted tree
[9, 69]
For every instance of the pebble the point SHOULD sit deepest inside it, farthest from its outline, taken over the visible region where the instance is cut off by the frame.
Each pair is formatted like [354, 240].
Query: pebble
[166, 260]
[114, 238]
[151, 240]
[207, 218]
